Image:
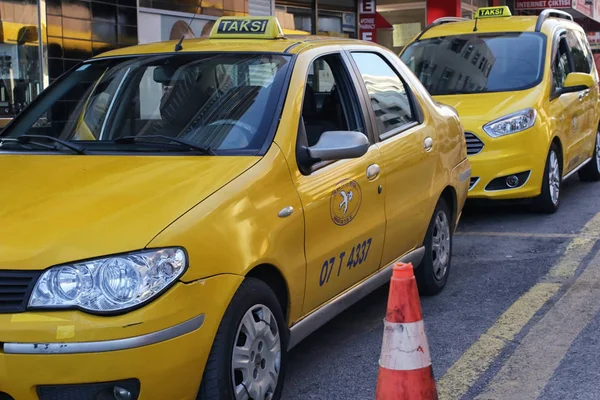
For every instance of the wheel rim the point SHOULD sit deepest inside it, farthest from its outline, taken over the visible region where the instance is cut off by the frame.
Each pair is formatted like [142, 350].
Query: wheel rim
[440, 245]
[554, 178]
[256, 356]
[598, 150]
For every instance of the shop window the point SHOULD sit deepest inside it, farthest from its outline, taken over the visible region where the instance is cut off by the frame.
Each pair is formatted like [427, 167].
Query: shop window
[20, 69]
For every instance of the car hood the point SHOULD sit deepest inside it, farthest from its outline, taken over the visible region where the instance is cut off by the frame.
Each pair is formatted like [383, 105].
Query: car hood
[481, 108]
[56, 209]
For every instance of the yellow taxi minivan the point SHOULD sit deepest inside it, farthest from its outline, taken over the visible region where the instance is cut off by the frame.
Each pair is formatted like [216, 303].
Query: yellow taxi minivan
[176, 216]
[526, 91]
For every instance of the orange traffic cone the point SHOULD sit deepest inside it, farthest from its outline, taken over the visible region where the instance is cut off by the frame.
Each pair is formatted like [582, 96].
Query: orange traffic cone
[405, 371]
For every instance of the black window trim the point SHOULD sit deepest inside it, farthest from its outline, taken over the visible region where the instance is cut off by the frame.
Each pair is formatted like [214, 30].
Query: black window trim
[358, 111]
[415, 107]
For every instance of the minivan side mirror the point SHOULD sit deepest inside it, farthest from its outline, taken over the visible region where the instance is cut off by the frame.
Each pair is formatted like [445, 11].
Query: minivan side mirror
[339, 145]
[576, 82]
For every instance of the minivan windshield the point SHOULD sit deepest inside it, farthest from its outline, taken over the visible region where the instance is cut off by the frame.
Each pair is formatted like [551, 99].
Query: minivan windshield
[477, 63]
[174, 102]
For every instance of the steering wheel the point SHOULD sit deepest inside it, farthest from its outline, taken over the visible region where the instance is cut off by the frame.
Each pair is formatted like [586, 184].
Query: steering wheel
[246, 129]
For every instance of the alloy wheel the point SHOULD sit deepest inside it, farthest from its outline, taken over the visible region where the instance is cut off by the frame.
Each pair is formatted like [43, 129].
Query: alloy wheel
[554, 177]
[256, 356]
[440, 245]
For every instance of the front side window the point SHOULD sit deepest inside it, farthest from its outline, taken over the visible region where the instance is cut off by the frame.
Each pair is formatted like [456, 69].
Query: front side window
[561, 66]
[485, 63]
[222, 102]
[329, 102]
[390, 101]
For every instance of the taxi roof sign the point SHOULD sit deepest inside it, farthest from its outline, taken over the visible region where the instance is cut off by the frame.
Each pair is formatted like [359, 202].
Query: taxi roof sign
[246, 28]
[493, 12]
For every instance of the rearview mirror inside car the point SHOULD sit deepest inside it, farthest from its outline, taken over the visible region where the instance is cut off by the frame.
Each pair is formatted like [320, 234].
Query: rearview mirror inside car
[338, 145]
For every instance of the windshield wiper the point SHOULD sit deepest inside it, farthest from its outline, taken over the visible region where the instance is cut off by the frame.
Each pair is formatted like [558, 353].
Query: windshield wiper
[164, 138]
[30, 139]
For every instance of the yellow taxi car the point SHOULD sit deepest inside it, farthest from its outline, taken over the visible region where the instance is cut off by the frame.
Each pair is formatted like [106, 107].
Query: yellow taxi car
[176, 216]
[526, 91]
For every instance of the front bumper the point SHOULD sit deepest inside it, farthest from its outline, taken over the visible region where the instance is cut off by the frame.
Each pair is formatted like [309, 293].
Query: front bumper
[168, 362]
[501, 157]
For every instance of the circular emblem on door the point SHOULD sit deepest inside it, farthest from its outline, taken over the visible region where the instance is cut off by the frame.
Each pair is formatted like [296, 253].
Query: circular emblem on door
[345, 202]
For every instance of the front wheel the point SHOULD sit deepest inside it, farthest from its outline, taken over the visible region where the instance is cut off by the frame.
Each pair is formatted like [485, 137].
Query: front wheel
[549, 200]
[591, 171]
[432, 273]
[248, 356]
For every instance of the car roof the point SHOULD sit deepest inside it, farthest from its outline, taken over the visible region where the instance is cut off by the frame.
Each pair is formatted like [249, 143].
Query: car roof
[291, 44]
[495, 25]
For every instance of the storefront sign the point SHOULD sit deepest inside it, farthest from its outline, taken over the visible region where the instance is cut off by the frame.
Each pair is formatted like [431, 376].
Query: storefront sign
[583, 7]
[541, 4]
[368, 29]
[594, 39]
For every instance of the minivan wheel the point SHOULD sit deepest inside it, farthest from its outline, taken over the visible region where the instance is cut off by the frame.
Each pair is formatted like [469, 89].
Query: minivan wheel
[248, 355]
[591, 171]
[549, 199]
[432, 273]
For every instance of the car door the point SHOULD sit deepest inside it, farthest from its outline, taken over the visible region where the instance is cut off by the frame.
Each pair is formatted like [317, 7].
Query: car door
[584, 62]
[343, 207]
[409, 152]
[565, 108]
[581, 125]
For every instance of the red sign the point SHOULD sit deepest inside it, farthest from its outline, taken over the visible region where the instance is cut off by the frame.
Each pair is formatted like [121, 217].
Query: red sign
[541, 4]
[366, 20]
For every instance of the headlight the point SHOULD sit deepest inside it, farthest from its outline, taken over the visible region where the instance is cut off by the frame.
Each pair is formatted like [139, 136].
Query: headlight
[512, 123]
[111, 284]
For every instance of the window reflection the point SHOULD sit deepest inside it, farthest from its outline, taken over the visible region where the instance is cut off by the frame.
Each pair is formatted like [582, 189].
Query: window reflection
[19, 56]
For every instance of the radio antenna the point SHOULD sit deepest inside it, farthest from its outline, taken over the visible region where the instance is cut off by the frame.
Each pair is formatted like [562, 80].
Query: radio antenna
[179, 45]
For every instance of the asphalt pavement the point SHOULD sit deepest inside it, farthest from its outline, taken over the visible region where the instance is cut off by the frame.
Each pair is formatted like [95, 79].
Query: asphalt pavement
[518, 319]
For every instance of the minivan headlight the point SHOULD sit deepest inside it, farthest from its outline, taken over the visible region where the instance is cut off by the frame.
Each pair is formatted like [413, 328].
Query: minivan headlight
[111, 284]
[512, 123]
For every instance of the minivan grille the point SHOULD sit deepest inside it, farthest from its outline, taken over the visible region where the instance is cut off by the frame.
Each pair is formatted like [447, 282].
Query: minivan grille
[15, 288]
[474, 145]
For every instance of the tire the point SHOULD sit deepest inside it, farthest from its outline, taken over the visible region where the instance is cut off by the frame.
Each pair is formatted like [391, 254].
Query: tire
[549, 200]
[432, 273]
[591, 171]
[249, 308]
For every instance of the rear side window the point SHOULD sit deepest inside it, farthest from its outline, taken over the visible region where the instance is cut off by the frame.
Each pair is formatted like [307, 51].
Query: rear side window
[579, 53]
[390, 101]
[587, 51]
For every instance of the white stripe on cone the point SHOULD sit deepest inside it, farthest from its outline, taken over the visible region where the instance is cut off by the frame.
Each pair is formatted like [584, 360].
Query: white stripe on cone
[404, 346]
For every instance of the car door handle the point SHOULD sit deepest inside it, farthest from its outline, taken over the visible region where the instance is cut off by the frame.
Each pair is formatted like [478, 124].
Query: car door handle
[373, 171]
[428, 143]
[581, 96]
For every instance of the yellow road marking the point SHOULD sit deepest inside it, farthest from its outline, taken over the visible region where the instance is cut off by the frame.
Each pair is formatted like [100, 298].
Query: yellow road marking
[476, 360]
[528, 370]
[577, 249]
[519, 234]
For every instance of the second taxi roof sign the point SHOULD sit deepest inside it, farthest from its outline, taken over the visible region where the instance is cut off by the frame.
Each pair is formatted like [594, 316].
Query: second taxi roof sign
[493, 12]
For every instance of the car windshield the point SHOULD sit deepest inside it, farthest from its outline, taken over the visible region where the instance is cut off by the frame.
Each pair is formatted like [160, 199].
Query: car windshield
[477, 63]
[222, 102]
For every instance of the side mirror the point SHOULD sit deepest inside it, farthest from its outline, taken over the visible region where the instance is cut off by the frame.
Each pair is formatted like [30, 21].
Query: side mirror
[338, 145]
[576, 82]
[448, 106]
